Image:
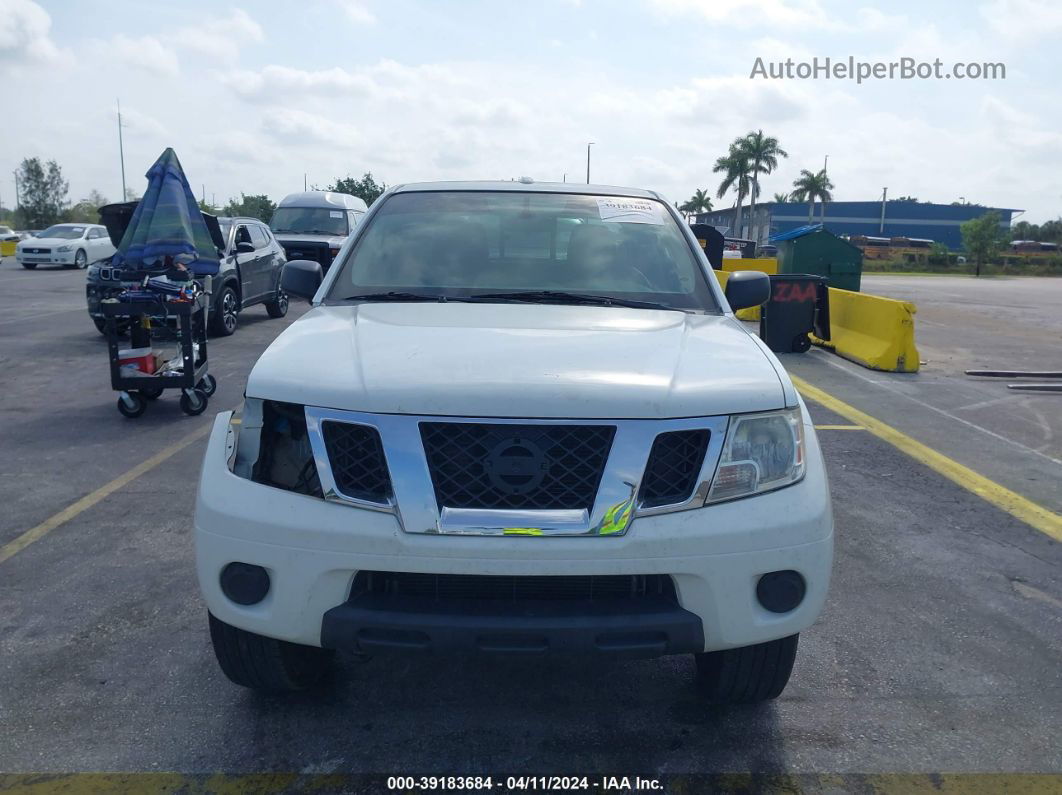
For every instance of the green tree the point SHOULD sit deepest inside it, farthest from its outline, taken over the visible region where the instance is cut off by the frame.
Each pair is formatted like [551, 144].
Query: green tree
[1023, 230]
[808, 187]
[366, 188]
[131, 195]
[982, 238]
[86, 211]
[699, 202]
[257, 205]
[207, 207]
[737, 174]
[762, 152]
[781, 198]
[42, 193]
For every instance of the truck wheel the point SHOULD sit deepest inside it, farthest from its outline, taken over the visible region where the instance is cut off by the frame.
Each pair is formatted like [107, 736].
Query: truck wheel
[747, 674]
[266, 664]
[801, 343]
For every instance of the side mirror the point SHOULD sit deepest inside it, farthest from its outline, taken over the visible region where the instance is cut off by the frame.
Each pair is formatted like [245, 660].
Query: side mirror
[244, 248]
[747, 288]
[301, 277]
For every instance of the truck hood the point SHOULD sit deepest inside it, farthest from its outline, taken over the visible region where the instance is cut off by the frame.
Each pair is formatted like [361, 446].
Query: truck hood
[333, 241]
[518, 360]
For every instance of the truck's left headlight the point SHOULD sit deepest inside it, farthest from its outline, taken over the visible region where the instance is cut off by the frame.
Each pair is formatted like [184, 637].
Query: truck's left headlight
[762, 452]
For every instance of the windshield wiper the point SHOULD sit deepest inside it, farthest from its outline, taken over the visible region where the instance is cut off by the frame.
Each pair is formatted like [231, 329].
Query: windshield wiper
[399, 296]
[561, 297]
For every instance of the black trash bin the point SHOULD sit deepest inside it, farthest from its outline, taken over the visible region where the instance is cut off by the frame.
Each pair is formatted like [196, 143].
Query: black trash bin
[799, 304]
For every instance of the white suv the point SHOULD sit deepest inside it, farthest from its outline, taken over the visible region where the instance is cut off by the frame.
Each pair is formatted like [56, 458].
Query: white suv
[519, 419]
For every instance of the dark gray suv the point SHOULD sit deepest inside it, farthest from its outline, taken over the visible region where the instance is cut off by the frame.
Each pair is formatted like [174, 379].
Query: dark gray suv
[250, 274]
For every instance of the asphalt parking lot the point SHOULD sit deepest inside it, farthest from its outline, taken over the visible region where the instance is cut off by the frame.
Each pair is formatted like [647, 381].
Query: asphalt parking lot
[938, 650]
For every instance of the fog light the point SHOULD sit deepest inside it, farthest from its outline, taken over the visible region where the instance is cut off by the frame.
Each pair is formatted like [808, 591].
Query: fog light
[781, 591]
[244, 583]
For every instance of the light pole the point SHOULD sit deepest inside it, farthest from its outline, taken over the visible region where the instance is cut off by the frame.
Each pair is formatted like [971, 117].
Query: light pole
[588, 162]
[121, 147]
[884, 193]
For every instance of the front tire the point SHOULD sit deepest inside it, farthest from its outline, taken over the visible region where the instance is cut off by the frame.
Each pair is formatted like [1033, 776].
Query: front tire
[226, 313]
[748, 674]
[81, 260]
[266, 664]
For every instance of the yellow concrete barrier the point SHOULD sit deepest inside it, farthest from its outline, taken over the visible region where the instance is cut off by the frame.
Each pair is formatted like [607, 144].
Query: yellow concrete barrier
[7, 249]
[872, 331]
[767, 265]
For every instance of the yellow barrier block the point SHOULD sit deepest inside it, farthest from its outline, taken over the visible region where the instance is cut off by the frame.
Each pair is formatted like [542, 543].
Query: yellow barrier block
[7, 249]
[872, 331]
[763, 264]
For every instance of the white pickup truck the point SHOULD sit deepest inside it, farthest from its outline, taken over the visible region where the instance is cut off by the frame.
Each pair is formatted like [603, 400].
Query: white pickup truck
[519, 419]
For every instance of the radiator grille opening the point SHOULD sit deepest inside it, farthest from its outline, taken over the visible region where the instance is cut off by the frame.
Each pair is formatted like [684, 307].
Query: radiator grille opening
[537, 467]
[435, 587]
[674, 464]
[356, 457]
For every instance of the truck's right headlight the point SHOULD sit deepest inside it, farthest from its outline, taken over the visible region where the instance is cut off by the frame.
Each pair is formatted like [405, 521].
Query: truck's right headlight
[269, 445]
[762, 452]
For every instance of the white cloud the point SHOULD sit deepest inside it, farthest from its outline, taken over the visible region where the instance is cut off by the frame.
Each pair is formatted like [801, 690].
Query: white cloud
[220, 38]
[24, 32]
[145, 53]
[278, 81]
[298, 127]
[1024, 20]
[799, 16]
[357, 12]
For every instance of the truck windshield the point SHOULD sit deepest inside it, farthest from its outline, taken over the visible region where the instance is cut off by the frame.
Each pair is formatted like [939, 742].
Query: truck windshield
[539, 247]
[309, 221]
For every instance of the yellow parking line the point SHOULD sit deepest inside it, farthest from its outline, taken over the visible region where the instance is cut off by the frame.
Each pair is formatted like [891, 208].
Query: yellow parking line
[1013, 503]
[36, 533]
[840, 428]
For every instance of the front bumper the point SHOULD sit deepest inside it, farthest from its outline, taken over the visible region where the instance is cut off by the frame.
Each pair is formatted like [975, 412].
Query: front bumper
[313, 549]
[51, 258]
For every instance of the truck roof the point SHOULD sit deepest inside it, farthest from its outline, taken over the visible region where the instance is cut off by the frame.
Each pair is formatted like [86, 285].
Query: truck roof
[323, 198]
[527, 187]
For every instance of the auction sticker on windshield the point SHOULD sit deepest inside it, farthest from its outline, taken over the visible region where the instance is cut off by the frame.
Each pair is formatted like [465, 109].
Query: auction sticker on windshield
[630, 211]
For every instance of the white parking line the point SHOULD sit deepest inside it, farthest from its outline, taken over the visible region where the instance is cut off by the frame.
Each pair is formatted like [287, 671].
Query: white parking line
[830, 359]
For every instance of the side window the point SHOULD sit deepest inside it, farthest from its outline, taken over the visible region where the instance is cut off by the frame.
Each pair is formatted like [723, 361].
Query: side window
[93, 234]
[353, 218]
[259, 237]
[242, 235]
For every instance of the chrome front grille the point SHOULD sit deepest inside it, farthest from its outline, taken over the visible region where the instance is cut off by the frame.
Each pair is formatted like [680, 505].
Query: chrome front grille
[488, 476]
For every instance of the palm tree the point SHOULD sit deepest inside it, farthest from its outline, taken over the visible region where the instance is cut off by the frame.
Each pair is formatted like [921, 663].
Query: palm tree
[762, 152]
[781, 198]
[700, 202]
[736, 170]
[809, 187]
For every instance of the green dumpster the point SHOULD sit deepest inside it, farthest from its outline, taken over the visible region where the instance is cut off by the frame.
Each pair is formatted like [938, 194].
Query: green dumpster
[814, 250]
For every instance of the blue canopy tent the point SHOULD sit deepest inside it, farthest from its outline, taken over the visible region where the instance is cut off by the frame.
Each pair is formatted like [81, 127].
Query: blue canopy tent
[167, 222]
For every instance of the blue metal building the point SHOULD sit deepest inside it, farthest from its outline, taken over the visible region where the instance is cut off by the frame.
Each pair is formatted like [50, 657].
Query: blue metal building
[939, 222]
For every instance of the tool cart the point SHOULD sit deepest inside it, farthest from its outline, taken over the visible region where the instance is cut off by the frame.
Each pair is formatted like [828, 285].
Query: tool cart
[139, 373]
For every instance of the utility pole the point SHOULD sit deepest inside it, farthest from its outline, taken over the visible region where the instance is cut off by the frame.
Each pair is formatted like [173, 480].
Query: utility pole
[565, 177]
[881, 228]
[121, 147]
[588, 162]
[304, 181]
[16, 188]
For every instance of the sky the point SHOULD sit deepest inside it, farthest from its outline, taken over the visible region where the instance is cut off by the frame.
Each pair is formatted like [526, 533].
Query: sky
[253, 96]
